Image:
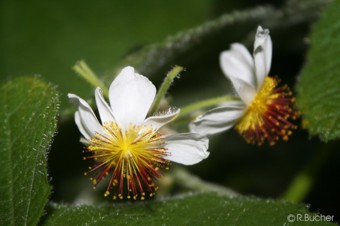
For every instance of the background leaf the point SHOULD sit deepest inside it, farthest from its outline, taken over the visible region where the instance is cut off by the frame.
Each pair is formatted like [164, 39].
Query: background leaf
[199, 209]
[190, 45]
[48, 38]
[28, 109]
[208, 39]
[319, 86]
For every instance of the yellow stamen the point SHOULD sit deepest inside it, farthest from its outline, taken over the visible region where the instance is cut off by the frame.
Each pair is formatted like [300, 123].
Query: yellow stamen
[267, 115]
[132, 156]
[258, 106]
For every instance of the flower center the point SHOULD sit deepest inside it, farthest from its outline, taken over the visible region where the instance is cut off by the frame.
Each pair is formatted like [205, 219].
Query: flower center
[267, 115]
[132, 157]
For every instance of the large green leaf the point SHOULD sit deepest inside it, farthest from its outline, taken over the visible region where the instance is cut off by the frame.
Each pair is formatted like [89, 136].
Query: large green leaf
[199, 209]
[319, 86]
[28, 109]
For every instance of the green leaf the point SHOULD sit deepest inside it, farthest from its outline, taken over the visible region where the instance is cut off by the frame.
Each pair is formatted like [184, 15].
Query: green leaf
[319, 86]
[28, 109]
[199, 209]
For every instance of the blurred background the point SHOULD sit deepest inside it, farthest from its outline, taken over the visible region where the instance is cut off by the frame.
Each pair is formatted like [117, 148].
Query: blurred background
[46, 38]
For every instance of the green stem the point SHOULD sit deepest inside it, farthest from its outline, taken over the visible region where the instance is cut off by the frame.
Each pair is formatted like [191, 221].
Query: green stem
[192, 182]
[204, 104]
[164, 87]
[304, 180]
[84, 71]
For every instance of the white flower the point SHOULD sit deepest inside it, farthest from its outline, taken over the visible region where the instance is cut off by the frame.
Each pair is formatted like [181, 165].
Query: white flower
[128, 145]
[263, 108]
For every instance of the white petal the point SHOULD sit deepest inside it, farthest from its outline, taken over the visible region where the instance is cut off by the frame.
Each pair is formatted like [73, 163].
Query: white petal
[245, 91]
[84, 141]
[268, 49]
[125, 75]
[242, 53]
[238, 63]
[104, 110]
[158, 121]
[218, 119]
[240, 74]
[80, 126]
[87, 117]
[187, 148]
[262, 54]
[131, 97]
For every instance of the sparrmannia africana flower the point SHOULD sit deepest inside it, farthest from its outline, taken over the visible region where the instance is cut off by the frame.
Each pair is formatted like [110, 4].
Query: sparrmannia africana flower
[264, 109]
[127, 147]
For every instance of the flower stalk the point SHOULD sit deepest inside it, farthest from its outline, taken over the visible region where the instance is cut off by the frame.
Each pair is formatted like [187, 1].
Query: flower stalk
[205, 104]
[192, 182]
[164, 87]
[84, 71]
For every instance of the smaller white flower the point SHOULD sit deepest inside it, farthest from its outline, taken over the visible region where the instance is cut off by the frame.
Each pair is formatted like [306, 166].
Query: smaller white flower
[263, 108]
[128, 145]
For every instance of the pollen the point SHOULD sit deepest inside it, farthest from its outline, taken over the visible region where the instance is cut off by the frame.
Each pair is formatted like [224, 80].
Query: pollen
[268, 115]
[130, 158]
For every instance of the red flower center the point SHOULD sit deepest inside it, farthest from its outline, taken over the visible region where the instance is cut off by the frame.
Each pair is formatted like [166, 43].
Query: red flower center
[268, 115]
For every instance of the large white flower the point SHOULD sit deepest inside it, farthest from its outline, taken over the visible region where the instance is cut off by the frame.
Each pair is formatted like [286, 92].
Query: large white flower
[263, 108]
[128, 145]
